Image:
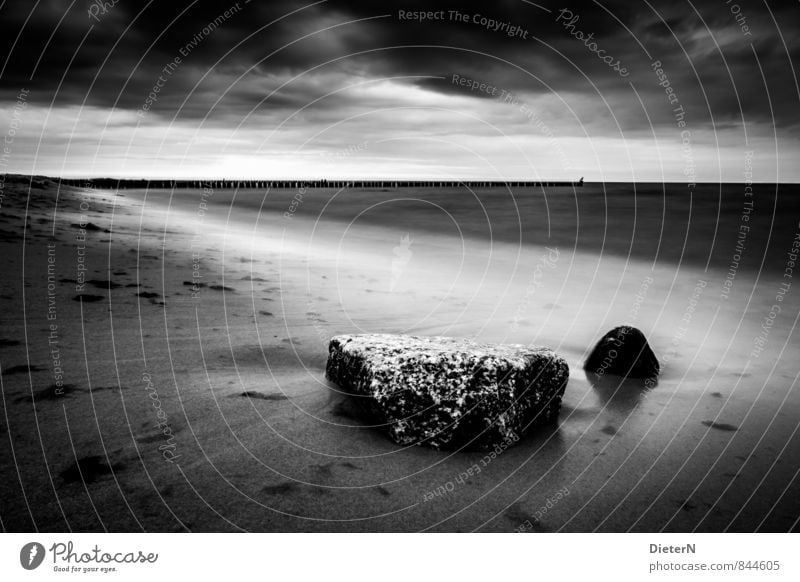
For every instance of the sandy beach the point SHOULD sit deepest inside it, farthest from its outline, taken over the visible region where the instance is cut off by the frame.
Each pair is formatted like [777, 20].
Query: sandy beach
[163, 354]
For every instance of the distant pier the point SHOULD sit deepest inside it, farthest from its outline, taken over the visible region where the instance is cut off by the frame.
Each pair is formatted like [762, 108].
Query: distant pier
[117, 184]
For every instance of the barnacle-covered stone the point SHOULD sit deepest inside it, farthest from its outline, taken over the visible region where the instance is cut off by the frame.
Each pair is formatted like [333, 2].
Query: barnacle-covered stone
[449, 392]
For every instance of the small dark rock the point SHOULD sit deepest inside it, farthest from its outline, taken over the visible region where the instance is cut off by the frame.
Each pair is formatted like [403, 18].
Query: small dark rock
[623, 351]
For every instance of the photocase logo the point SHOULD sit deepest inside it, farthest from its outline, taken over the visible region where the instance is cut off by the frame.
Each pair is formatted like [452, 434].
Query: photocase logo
[402, 255]
[100, 8]
[31, 555]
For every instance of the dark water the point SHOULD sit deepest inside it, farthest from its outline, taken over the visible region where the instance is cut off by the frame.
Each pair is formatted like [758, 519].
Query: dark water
[660, 223]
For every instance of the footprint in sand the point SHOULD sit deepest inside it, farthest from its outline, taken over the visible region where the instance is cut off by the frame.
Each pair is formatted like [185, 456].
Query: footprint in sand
[153, 297]
[21, 369]
[89, 227]
[157, 437]
[281, 488]
[102, 284]
[103, 389]
[260, 396]
[609, 430]
[84, 298]
[523, 521]
[324, 472]
[52, 392]
[88, 469]
[720, 426]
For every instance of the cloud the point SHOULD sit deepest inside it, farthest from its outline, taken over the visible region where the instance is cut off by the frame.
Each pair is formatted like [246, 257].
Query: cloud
[307, 67]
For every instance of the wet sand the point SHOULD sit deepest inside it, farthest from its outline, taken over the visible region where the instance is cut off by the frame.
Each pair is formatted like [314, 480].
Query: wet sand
[193, 394]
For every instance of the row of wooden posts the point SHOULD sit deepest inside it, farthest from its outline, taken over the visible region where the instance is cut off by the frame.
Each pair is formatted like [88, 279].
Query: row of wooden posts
[113, 183]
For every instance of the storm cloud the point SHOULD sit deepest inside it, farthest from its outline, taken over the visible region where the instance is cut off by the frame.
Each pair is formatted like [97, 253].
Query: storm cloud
[278, 88]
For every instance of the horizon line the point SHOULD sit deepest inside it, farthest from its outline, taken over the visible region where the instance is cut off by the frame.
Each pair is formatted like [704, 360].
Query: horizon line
[498, 181]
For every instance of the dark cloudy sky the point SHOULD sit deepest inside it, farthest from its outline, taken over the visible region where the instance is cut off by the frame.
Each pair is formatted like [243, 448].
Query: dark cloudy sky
[292, 88]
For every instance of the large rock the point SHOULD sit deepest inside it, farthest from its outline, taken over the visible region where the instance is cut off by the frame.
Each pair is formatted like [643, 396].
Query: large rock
[623, 351]
[447, 392]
